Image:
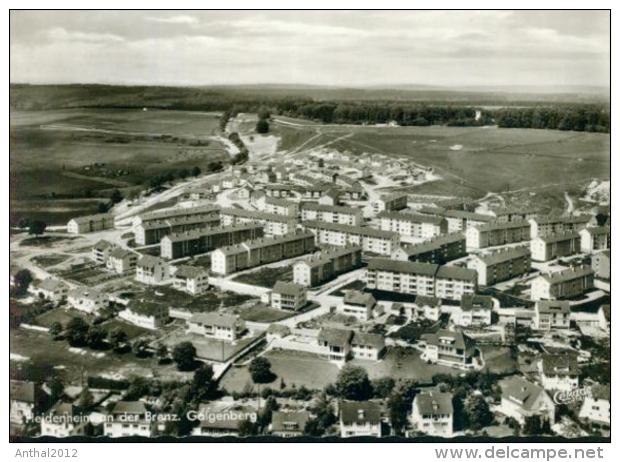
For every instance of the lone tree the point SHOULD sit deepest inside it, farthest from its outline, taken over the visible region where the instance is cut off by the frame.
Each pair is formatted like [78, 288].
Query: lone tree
[37, 227]
[22, 280]
[262, 126]
[95, 337]
[353, 383]
[55, 329]
[195, 171]
[77, 331]
[117, 338]
[478, 413]
[184, 354]
[203, 386]
[260, 370]
[398, 406]
[162, 353]
[116, 196]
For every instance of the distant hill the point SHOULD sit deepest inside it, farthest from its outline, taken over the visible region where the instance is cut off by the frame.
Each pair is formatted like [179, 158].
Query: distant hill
[220, 97]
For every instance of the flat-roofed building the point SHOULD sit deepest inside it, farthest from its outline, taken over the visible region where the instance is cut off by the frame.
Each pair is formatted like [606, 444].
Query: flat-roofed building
[229, 259]
[501, 265]
[179, 245]
[545, 225]
[551, 314]
[273, 224]
[493, 234]
[412, 224]
[545, 248]
[327, 264]
[597, 238]
[567, 283]
[438, 250]
[332, 214]
[370, 239]
[288, 296]
[90, 223]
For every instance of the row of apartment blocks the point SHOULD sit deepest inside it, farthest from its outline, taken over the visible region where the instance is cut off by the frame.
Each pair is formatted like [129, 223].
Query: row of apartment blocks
[412, 224]
[152, 231]
[326, 265]
[332, 214]
[414, 278]
[273, 224]
[370, 239]
[185, 244]
[226, 260]
[589, 239]
[457, 220]
[495, 234]
[438, 250]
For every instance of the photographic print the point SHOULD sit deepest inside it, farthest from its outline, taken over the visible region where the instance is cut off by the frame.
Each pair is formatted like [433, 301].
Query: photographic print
[313, 225]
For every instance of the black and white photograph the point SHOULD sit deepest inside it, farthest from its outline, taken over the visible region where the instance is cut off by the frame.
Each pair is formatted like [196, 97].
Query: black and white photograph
[324, 226]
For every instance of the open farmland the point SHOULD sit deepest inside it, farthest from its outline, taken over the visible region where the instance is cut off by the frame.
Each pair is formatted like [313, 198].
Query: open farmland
[63, 163]
[519, 159]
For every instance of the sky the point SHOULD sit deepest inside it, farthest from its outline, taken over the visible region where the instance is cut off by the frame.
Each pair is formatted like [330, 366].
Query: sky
[338, 48]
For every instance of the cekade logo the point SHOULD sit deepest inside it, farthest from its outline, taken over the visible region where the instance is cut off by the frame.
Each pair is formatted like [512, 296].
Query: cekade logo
[578, 394]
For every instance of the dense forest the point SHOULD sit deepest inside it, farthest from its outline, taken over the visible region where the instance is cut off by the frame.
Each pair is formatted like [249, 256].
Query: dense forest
[533, 113]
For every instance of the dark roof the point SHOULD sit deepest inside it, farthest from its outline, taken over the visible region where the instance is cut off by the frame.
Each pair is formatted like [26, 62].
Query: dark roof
[289, 421]
[553, 306]
[601, 392]
[567, 274]
[358, 230]
[385, 264]
[471, 302]
[559, 237]
[457, 339]
[456, 272]
[519, 390]
[411, 217]
[356, 297]
[560, 364]
[545, 219]
[360, 412]
[22, 391]
[333, 336]
[189, 272]
[504, 255]
[330, 208]
[425, 300]
[129, 407]
[505, 225]
[215, 319]
[368, 339]
[288, 288]
[433, 403]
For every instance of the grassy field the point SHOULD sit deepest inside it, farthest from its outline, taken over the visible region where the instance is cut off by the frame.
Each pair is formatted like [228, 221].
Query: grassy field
[262, 313]
[63, 163]
[267, 277]
[295, 368]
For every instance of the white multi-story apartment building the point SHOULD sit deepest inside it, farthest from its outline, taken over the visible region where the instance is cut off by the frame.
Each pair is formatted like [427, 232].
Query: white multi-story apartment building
[596, 238]
[450, 282]
[90, 223]
[121, 261]
[545, 248]
[273, 224]
[332, 214]
[567, 283]
[412, 224]
[545, 225]
[327, 264]
[493, 234]
[390, 202]
[278, 206]
[432, 414]
[501, 265]
[370, 239]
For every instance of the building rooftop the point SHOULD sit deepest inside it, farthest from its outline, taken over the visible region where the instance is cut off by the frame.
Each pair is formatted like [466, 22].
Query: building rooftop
[330, 208]
[567, 274]
[356, 230]
[553, 306]
[385, 264]
[96, 217]
[204, 232]
[360, 413]
[521, 391]
[434, 403]
[411, 217]
[282, 421]
[215, 319]
[367, 339]
[333, 336]
[189, 272]
[288, 288]
[470, 302]
[501, 256]
[356, 297]
[559, 237]
[560, 364]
